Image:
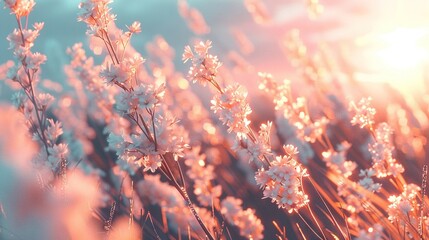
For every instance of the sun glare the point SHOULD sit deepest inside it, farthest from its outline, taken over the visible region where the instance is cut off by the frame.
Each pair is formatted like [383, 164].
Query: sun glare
[398, 57]
[402, 49]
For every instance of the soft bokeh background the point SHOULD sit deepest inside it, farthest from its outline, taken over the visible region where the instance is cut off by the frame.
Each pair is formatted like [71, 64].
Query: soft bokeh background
[354, 24]
[383, 41]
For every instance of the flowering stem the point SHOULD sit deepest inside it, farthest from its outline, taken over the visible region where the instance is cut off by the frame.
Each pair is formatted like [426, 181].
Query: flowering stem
[111, 47]
[152, 115]
[182, 190]
[216, 85]
[423, 193]
[31, 94]
[185, 196]
[125, 46]
[147, 130]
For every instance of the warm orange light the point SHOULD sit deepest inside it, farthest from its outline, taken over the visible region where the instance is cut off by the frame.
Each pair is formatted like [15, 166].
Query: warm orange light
[210, 129]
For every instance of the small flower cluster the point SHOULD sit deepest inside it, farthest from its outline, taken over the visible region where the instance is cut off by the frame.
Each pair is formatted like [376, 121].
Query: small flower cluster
[158, 192]
[258, 147]
[363, 113]
[402, 206]
[258, 10]
[34, 105]
[246, 220]
[353, 198]
[202, 174]
[136, 107]
[295, 48]
[96, 14]
[21, 41]
[193, 18]
[122, 73]
[292, 116]
[282, 181]
[367, 182]
[94, 94]
[280, 92]
[233, 110]
[21, 8]
[381, 151]
[142, 149]
[204, 65]
[336, 160]
[140, 99]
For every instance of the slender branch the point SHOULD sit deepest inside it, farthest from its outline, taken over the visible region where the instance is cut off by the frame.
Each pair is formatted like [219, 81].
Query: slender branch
[31, 94]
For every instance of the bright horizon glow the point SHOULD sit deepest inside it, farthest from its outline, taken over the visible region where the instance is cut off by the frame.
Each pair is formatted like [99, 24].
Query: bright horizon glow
[402, 49]
[398, 57]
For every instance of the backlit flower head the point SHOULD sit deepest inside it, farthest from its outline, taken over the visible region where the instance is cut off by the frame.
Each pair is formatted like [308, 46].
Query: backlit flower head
[233, 110]
[135, 27]
[204, 65]
[363, 112]
[282, 183]
[246, 220]
[20, 8]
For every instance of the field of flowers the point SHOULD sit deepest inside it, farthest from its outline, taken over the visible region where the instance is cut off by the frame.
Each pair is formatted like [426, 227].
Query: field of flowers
[201, 143]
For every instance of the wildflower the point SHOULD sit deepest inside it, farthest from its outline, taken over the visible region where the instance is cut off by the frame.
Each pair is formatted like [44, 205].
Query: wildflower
[267, 83]
[288, 131]
[117, 143]
[246, 220]
[45, 100]
[135, 27]
[352, 197]
[144, 96]
[54, 130]
[38, 26]
[382, 153]
[166, 196]
[258, 10]
[151, 162]
[258, 148]
[204, 65]
[282, 183]
[116, 73]
[232, 107]
[402, 205]
[202, 174]
[95, 12]
[20, 8]
[367, 182]
[336, 160]
[310, 132]
[193, 18]
[22, 42]
[250, 150]
[363, 112]
[58, 153]
[207, 195]
[34, 60]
